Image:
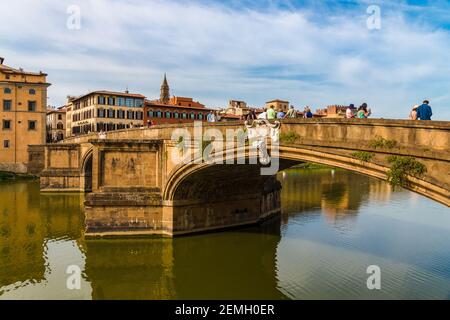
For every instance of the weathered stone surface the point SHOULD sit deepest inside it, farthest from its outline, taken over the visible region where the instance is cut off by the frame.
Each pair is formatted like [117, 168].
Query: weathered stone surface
[139, 188]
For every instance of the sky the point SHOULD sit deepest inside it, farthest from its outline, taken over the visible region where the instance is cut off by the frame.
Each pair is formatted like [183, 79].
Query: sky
[314, 53]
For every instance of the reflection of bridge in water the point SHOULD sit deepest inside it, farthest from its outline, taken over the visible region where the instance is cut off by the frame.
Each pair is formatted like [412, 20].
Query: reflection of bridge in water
[138, 186]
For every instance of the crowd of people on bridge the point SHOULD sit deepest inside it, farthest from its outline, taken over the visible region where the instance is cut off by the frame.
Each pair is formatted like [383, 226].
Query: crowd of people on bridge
[418, 112]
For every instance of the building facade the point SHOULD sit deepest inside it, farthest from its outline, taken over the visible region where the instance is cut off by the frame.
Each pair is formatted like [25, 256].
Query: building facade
[23, 99]
[173, 110]
[56, 124]
[104, 111]
[278, 105]
[334, 111]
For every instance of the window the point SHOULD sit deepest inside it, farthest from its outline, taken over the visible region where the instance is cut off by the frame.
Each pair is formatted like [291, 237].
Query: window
[158, 114]
[6, 124]
[60, 126]
[168, 115]
[31, 105]
[6, 144]
[138, 103]
[120, 114]
[129, 102]
[184, 115]
[7, 77]
[111, 101]
[120, 102]
[149, 113]
[7, 105]
[32, 92]
[130, 115]
[111, 113]
[59, 117]
[32, 125]
[176, 115]
[7, 90]
[200, 116]
[193, 116]
[101, 113]
[101, 100]
[139, 115]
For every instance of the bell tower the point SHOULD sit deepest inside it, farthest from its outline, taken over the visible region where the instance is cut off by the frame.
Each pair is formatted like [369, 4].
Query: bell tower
[165, 91]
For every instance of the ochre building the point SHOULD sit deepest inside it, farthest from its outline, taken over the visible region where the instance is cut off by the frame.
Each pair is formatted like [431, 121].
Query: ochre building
[278, 105]
[104, 111]
[23, 99]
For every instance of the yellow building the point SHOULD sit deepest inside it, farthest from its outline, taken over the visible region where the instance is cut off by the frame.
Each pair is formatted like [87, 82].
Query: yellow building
[56, 124]
[23, 108]
[104, 111]
[278, 105]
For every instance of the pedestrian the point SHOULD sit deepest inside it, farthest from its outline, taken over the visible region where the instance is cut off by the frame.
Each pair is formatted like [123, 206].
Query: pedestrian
[251, 115]
[413, 113]
[307, 114]
[363, 112]
[280, 114]
[149, 124]
[262, 115]
[291, 113]
[211, 117]
[271, 115]
[424, 111]
[349, 112]
[217, 116]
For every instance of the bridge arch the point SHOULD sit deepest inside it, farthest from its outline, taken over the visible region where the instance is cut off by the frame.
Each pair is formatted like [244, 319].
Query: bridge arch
[86, 171]
[183, 174]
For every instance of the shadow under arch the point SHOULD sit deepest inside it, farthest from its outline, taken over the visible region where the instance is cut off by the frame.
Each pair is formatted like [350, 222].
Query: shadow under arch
[86, 171]
[288, 157]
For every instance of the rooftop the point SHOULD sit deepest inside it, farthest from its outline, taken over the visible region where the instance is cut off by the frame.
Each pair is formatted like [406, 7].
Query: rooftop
[158, 103]
[105, 92]
[278, 100]
[7, 69]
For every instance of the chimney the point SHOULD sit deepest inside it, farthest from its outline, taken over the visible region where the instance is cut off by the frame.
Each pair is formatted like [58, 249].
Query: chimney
[1, 60]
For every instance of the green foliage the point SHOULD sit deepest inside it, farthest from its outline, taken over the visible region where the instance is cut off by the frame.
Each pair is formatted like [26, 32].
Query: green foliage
[310, 165]
[363, 156]
[6, 176]
[380, 142]
[401, 167]
[289, 137]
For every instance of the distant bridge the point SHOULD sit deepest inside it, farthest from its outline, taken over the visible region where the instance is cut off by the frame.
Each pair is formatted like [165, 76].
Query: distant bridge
[138, 188]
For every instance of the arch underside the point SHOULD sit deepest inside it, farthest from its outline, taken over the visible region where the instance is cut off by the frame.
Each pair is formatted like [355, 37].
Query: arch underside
[211, 181]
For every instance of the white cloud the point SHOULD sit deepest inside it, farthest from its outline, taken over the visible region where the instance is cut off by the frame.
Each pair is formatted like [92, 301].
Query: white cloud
[215, 53]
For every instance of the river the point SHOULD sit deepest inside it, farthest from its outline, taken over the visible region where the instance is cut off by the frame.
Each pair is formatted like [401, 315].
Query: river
[334, 225]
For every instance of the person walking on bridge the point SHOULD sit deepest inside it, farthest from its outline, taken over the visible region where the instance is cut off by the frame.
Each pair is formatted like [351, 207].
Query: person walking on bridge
[424, 112]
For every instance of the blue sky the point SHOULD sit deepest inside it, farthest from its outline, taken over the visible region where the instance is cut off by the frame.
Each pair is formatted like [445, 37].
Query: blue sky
[313, 53]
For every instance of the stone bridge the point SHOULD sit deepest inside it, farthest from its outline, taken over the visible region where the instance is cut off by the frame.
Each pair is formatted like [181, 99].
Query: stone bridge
[138, 186]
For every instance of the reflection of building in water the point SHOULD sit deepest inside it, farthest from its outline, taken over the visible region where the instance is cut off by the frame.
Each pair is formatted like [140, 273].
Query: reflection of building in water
[227, 265]
[337, 195]
[27, 221]
[22, 234]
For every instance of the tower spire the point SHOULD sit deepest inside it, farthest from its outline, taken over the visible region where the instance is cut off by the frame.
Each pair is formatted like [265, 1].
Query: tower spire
[165, 91]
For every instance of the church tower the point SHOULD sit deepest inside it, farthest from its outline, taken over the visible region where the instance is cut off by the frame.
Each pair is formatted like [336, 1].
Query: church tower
[165, 91]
